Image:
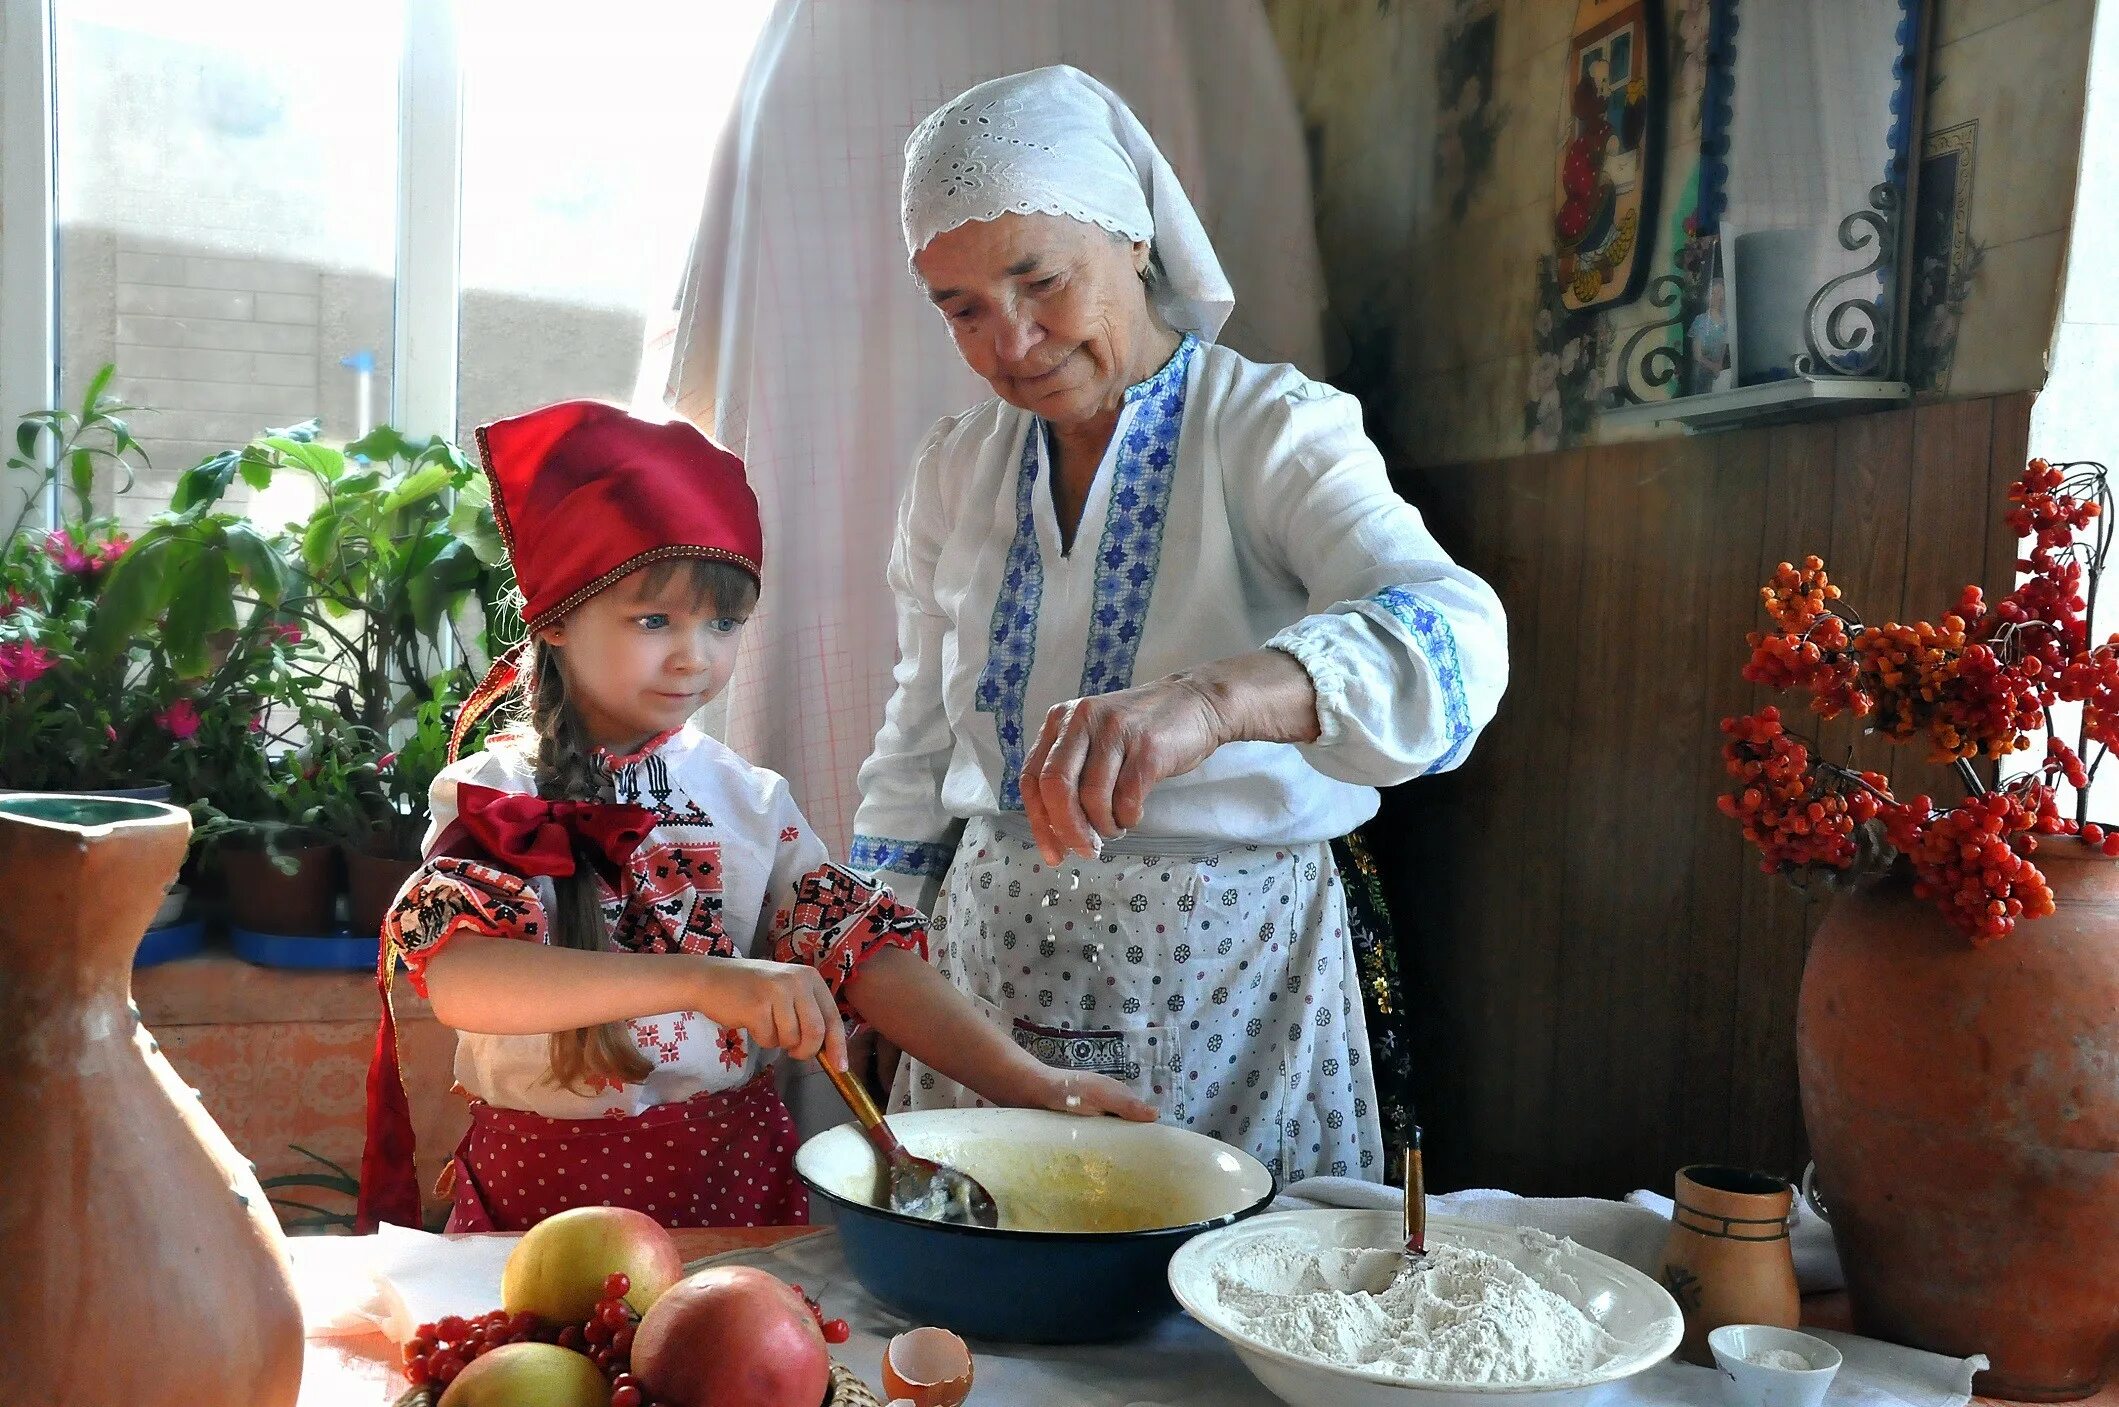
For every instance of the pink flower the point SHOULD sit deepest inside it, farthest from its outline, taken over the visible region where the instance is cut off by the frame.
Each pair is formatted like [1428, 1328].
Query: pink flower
[24, 663]
[289, 634]
[257, 722]
[112, 551]
[72, 559]
[382, 764]
[180, 720]
[15, 601]
[111, 732]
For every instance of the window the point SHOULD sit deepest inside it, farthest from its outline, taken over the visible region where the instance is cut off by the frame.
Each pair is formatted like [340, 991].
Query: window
[429, 211]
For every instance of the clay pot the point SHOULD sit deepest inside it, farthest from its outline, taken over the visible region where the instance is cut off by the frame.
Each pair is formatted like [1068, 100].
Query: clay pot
[143, 1263]
[372, 882]
[1963, 1109]
[265, 899]
[1728, 1259]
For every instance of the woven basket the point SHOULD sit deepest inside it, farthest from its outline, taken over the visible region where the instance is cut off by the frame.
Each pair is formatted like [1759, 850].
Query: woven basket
[846, 1391]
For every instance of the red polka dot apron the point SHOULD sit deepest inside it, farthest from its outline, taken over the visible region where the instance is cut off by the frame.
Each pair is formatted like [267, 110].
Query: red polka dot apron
[724, 1158]
[1219, 987]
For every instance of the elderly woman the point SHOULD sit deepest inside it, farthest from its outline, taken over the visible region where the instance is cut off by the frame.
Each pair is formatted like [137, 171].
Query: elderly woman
[1163, 629]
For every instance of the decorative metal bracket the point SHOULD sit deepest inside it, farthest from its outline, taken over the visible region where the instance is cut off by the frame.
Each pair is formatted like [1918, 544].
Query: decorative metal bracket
[1857, 331]
[1660, 364]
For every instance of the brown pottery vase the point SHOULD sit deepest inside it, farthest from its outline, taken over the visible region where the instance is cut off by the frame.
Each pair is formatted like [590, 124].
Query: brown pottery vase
[1963, 1108]
[143, 1264]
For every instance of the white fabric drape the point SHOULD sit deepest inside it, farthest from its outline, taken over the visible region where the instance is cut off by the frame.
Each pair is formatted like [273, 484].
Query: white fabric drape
[804, 346]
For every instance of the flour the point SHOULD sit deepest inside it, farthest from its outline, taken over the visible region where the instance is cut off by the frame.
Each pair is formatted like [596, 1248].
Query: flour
[1786, 1359]
[1459, 1316]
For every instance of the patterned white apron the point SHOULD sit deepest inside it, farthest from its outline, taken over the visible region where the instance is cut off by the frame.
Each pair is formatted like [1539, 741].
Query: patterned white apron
[1220, 987]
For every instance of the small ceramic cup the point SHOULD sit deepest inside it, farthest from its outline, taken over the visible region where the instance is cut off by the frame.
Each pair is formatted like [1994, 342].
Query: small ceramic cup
[1750, 1377]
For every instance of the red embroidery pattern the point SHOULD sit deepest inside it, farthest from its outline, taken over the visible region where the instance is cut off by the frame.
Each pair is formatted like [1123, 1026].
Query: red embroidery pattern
[733, 1052]
[839, 921]
[790, 834]
[447, 896]
[675, 906]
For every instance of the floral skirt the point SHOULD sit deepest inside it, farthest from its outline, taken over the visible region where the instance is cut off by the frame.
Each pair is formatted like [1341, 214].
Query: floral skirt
[724, 1158]
[1219, 987]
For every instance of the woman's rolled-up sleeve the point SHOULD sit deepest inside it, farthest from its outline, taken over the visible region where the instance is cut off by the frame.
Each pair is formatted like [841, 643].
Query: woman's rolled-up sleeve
[1408, 651]
[901, 833]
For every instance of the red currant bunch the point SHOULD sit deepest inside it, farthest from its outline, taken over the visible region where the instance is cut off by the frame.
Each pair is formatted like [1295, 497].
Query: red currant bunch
[437, 1352]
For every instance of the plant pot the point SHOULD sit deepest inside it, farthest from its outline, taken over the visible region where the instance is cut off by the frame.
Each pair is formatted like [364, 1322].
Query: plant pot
[264, 899]
[171, 909]
[372, 882]
[134, 1209]
[153, 791]
[1963, 1109]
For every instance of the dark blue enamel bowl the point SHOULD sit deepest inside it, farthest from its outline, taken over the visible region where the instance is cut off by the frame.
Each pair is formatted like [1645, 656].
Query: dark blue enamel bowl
[1091, 1212]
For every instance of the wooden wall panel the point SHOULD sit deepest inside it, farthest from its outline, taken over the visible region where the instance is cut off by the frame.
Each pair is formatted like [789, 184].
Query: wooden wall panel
[1603, 984]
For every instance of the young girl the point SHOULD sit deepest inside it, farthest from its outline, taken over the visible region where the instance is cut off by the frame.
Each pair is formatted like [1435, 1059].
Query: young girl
[622, 919]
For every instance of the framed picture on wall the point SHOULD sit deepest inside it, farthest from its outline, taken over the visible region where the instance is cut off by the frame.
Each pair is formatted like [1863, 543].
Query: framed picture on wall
[1710, 336]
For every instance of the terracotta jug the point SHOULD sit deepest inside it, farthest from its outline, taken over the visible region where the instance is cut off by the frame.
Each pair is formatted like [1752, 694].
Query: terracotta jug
[143, 1264]
[1728, 1259]
[1963, 1109]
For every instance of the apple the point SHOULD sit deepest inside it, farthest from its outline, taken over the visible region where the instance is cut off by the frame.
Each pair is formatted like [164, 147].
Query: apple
[557, 1270]
[528, 1375]
[732, 1336]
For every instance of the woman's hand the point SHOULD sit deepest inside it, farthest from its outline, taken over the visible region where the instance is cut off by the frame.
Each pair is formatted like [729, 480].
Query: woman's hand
[1088, 778]
[1097, 759]
[784, 1006]
[1080, 1092]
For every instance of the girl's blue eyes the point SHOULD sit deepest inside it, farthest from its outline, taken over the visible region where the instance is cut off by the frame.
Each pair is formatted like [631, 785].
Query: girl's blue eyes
[658, 620]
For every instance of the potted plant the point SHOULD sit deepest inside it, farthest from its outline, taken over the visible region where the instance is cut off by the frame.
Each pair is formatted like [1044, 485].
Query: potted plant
[385, 849]
[402, 542]
[1958, 1036]
[101, 664]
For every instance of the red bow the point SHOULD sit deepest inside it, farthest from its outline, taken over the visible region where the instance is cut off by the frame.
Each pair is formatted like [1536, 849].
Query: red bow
[533, 835]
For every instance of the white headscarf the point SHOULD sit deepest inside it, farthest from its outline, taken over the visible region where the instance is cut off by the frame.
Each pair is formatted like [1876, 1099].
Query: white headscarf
[1054, 141]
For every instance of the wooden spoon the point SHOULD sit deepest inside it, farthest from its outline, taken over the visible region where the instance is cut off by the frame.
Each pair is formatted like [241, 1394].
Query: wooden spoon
[908, 1184]
[1415, 1201]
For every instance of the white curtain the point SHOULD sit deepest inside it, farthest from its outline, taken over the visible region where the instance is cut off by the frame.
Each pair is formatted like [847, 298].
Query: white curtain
[803, 345]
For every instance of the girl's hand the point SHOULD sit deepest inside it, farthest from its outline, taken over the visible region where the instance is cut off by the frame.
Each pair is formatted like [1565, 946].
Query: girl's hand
[1080, 1092]
[785, 1006]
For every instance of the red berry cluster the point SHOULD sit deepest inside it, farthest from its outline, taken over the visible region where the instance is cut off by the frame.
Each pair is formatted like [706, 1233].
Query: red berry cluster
[1972, 860]
[1797, 814]
[834, 1330]
[437, 1352]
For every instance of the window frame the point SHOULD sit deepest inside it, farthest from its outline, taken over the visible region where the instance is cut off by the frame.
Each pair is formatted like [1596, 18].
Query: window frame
[427, 286]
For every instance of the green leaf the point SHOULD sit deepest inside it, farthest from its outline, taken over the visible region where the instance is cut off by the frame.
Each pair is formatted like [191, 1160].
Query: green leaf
[131, 595]
[380, 445]
[96, 388]
[321, 460]
[258, 560]
[424, 483]
[256, 471]
[26, 436]
[320, 538]
[187, 569]
[359, 482]
[204, 482]
[83, 467]
[473, 523]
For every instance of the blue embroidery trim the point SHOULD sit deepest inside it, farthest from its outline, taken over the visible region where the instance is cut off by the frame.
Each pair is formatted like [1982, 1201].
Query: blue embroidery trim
[1439, 644]
[1006, 677]
[1131, 549]
[881, 852]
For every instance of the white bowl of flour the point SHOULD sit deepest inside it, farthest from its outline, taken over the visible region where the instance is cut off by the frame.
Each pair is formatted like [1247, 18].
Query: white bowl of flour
[1321, 1309]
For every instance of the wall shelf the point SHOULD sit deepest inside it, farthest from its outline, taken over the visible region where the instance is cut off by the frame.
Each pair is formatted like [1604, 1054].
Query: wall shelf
[1796, 398]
